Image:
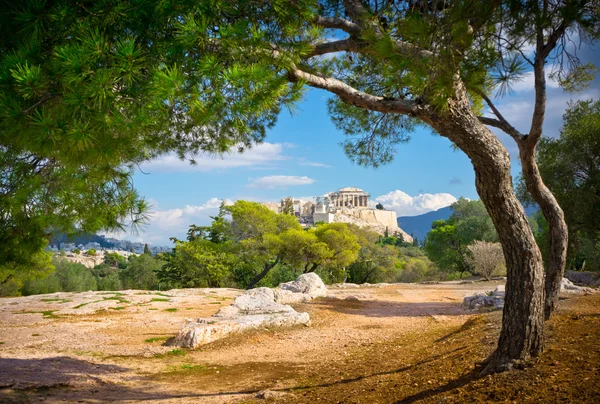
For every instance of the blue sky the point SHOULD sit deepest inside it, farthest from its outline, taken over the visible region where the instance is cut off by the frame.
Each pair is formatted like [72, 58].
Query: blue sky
[301, 157]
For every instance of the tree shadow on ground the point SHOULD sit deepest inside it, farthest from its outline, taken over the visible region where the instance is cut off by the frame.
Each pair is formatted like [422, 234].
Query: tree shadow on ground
[384, 373]
[371, 308]
[451, 385]
[71, 379]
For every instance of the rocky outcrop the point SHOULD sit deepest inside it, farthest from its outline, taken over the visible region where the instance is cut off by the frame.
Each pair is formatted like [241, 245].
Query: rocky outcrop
[260, 307]
[380, 221]
[495, 299]
[309, 284]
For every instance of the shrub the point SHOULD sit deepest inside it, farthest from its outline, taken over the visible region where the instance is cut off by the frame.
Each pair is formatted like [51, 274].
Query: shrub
[486, 258]
[141, 273]
[110, 282]
[76, 251]
[74, 277]
[91, 252]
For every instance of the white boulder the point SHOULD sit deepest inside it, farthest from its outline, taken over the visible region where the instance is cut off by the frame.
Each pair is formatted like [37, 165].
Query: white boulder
[309, 284]
[568, 287]
[260, 307]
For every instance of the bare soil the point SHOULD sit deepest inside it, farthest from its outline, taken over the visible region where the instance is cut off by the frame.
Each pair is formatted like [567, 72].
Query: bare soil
[399, 343]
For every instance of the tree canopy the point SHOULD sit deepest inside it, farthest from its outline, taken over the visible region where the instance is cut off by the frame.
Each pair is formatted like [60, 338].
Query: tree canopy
[93, 88]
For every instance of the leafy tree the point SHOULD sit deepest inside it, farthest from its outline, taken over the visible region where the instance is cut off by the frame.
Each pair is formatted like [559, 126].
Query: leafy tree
[147, 249]
[303, 249]
[343, 243]
[110, 282]
[375, 263]
[258, 230]
[221, 71]
[141, 273]
[115, 260]
[26, 270]
[379, 206]
[74, 277]
[91, 252]
[444, 247]
[198, 264]
[446, 243]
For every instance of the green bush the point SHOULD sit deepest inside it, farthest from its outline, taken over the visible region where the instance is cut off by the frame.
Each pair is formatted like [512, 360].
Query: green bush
[91, 252]
[74, 277]
[141, 273]
[48, 284]
[110, 282]
[76, 251]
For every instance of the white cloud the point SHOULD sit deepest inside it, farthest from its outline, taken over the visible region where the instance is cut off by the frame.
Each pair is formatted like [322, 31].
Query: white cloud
[264, 154]
[406, 205]
[164, 224]
[304, 162]
[279, 181]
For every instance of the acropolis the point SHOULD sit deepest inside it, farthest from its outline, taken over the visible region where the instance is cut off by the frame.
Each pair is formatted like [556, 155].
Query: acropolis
[347, 205]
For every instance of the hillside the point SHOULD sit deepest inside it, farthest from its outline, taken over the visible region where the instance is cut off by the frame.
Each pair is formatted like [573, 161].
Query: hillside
[419, 226]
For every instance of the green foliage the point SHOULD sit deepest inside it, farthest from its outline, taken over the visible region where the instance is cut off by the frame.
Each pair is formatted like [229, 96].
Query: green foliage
[343, 243]
[375, 263]
[147, 249]
[77, 251]
[443, 246]
[91, 252]
[198, 264]
[24, 269]
[570, 167]
[303, 249]
[73, 277]
[447, 241]
[110, 282]
[115, 260]
[141, 273]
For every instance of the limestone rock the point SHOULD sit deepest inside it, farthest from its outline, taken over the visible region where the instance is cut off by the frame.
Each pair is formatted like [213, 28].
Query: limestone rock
[309, 283]
[260, 307]
[259, 301]
[482, 300]
[568, 287]
[287, 296]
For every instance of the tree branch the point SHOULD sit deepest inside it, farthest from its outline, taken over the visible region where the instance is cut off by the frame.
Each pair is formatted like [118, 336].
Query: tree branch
[338, 23]
[348, 45]
[353, 96]
[501, 123]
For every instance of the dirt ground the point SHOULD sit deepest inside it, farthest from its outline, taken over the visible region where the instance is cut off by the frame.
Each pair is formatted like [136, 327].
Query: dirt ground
[399, 343]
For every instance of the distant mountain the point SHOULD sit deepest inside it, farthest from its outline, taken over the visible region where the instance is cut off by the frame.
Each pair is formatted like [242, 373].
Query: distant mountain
[420, 225]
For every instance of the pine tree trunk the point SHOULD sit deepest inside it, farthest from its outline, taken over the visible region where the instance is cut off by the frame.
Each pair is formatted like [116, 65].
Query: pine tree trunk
[559, 236]
[522, 335]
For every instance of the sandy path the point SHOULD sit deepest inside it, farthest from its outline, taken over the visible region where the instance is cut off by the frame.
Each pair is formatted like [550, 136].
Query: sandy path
[94, 346]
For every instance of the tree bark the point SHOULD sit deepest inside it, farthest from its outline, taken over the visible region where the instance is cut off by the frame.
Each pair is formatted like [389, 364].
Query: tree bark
[559, 235]
[522, 335]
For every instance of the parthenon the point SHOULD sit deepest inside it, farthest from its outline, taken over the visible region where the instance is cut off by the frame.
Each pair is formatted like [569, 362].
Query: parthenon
[350, 197]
